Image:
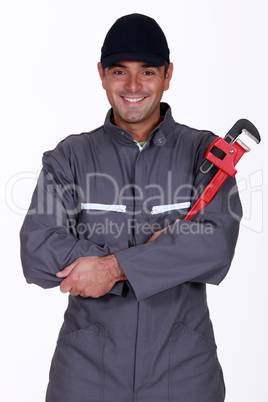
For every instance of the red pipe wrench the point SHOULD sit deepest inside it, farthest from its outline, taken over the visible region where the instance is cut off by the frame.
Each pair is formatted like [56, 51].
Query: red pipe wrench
[224, 153]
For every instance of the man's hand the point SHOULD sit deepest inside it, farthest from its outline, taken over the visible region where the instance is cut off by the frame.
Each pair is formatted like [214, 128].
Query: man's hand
[159, 232]
[91, 276]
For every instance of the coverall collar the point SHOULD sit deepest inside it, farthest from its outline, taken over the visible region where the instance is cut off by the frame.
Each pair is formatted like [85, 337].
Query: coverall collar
[158, 136]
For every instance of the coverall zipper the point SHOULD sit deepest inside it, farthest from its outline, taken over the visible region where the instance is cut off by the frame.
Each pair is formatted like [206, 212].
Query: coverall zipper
[135, 357]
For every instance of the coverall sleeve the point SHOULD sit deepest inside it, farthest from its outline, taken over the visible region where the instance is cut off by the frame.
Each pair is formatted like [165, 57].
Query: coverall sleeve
[48, 239]
[199, 250]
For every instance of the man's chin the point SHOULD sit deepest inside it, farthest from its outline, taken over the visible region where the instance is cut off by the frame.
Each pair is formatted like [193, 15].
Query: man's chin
[132, 118]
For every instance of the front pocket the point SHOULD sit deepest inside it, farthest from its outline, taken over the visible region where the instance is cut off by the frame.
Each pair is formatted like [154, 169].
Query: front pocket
[77, 371]
[194, 370]
[159, 209]
[104, 226]
[104, 207]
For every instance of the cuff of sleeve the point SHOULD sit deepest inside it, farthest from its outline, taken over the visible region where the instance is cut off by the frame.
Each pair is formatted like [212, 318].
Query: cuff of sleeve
[127, 260]
[118, 289]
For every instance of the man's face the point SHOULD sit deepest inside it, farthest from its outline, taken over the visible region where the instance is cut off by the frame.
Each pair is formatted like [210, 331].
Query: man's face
[134, 90]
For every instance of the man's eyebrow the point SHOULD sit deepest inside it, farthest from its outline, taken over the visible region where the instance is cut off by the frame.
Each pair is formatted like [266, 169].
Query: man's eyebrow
[117, 65]
[147, 65]
[143, 65]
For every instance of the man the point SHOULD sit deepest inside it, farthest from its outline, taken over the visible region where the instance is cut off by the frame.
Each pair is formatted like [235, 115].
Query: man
[106, 223]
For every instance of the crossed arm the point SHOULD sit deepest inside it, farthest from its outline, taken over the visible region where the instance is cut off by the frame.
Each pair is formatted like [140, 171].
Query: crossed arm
[94, 276]
[199, 251]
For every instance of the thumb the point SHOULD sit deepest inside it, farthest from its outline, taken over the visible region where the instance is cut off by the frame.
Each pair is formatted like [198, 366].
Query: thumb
[66, 271]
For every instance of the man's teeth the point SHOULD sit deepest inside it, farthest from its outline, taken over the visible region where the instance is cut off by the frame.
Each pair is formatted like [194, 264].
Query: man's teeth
[133, 99]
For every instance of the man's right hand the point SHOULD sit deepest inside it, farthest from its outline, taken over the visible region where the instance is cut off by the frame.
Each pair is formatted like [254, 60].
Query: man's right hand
[159, 232]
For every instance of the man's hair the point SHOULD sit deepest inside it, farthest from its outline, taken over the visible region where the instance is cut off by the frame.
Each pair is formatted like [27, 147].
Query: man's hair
[166, 67]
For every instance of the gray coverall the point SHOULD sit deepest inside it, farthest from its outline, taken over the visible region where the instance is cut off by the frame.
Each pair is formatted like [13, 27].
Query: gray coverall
[150, 339]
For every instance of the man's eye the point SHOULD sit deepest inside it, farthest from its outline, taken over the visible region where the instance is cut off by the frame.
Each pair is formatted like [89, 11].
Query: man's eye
[148, 73]
[119, 72]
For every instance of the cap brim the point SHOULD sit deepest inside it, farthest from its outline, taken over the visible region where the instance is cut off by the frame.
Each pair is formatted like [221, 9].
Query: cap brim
[153, 59]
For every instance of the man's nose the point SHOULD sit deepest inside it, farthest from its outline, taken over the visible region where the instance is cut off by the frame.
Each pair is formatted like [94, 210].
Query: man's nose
[133, 83]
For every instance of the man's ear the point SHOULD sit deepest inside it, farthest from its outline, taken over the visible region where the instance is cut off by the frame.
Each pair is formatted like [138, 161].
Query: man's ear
[101, 74]
[168, 76]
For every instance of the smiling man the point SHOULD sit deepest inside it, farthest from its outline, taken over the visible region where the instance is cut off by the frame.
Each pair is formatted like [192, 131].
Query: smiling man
[106, 224]
[134, 90]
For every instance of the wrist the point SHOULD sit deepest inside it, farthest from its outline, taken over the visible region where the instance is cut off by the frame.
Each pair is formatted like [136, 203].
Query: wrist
[114, 268]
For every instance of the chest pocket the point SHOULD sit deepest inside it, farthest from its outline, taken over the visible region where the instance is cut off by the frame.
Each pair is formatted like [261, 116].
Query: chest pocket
[104, 224]
[165, 215]
[159, 209]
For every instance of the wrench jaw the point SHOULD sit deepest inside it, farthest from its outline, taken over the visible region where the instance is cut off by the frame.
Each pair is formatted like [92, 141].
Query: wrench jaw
[253, 137]
[241, 126]
[245, 126]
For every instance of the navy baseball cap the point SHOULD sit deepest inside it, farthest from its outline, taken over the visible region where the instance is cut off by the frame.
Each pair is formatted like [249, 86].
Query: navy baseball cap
[135, 37]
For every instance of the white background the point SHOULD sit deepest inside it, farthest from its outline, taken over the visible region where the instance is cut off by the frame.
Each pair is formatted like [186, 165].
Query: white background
[50, 88]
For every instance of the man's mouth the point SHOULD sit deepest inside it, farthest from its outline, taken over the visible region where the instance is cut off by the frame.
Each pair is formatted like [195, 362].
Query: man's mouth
[133, 100]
